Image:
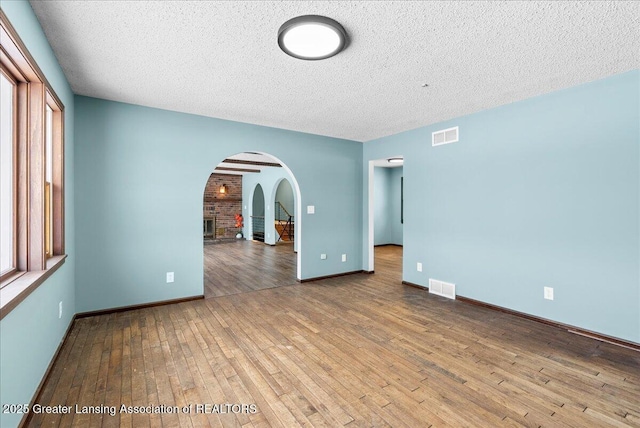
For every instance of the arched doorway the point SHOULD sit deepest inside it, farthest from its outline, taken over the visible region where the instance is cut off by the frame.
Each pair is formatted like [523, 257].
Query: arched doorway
[284, 213]
[256, 260]
[257, 214]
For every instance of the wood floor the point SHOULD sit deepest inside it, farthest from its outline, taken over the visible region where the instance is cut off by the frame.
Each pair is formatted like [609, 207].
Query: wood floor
[240, 266]
[358, 350]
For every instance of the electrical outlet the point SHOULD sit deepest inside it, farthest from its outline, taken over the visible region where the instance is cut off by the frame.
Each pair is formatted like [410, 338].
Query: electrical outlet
[344, 257]
[548, 293]
[323, 257]
[419, 267]
[170, 277]
[311, 209]
[60, 310]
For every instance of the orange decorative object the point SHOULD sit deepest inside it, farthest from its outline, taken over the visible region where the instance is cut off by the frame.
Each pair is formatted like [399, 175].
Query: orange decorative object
[239, 220]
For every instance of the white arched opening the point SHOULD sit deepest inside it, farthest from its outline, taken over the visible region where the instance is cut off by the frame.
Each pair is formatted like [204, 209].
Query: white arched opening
[269, 190]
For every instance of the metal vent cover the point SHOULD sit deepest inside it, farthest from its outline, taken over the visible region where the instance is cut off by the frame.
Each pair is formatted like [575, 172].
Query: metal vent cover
[441, 288]
[444, 136]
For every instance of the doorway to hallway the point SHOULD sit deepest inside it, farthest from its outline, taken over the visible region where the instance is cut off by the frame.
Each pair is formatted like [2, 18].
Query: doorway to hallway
[386, 213]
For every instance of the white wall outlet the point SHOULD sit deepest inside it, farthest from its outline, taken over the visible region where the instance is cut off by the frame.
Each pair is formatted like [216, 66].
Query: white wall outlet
[169, 277]
[60, 310]
[323, 257]
[548, 293]
[344, 257]
[311, 209]
[419, 267]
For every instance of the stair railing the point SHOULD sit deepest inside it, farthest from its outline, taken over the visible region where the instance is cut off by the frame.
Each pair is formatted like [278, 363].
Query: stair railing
[257, 226]
[283, 215]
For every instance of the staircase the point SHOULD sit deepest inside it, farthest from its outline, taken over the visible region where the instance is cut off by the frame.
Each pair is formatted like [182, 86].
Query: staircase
[284, 223]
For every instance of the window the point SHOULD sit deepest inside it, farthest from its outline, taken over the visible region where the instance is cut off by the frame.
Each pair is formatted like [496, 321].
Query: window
[7, 191]
[31, 175]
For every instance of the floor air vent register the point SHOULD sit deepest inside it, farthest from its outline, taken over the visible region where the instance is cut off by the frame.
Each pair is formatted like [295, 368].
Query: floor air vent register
[442, 288]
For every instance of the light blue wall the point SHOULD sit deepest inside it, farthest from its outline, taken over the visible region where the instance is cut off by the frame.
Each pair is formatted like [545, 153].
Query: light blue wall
[30, 334]
[386, 207]
[395, 174]
[381, 206]
[141, 173]
[543, 192]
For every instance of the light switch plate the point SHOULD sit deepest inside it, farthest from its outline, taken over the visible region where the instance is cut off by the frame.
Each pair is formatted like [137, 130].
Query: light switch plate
[419, 267]
[311, 209]
[170, 277]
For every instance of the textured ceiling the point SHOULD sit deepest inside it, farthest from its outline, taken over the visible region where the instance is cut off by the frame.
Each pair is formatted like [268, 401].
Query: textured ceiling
[221, 59]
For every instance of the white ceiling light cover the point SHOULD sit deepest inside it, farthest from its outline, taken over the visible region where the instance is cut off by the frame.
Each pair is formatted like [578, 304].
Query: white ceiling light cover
[311, 37]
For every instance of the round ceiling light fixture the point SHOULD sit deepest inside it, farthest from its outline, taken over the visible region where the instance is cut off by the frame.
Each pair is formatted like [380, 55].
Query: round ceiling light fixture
[312, 37]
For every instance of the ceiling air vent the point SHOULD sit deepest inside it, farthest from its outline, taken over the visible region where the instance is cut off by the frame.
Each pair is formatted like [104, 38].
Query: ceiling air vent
[442, 288]
[445, 136]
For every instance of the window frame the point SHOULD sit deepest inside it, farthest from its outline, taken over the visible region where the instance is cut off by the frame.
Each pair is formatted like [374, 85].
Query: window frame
[32, 94]
[56, 234]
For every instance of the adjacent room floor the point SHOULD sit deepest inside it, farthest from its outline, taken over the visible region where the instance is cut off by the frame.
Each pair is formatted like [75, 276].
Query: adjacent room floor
[240, 266]
[358, 350]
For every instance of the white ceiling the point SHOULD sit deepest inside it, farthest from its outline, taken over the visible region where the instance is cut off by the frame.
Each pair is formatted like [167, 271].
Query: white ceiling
[384, 163]
[221, 58]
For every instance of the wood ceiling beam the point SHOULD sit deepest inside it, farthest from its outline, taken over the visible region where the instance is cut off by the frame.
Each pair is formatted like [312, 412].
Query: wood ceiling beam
[222, 168]
[248, 162]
